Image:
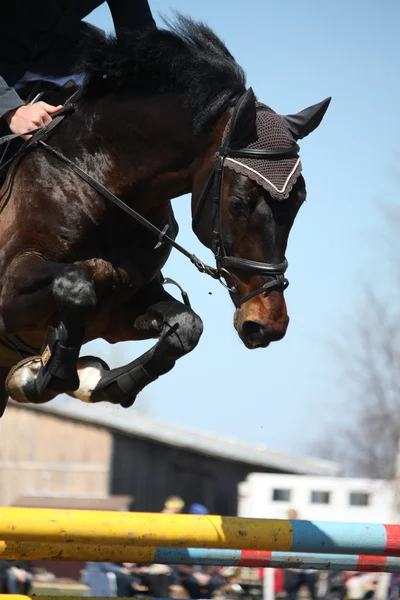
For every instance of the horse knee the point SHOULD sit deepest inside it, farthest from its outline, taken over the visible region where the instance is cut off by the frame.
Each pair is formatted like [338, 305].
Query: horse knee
[189, 328]
[73, 290]
[194, 330]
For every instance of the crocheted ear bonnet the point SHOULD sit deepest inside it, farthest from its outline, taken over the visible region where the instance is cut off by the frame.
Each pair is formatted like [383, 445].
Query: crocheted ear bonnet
[277, 175]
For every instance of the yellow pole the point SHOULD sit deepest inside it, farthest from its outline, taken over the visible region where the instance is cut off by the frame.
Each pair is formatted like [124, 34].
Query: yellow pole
[143, 529]
[46, 597]
[19, 597]
[15, 597]
[83, 552]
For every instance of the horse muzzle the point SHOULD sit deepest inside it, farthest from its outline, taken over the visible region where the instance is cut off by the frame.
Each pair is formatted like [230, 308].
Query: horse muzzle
[255, 334]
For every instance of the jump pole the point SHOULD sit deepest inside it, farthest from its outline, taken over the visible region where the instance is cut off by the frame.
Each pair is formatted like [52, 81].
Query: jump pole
[129, 529]
[197, 556]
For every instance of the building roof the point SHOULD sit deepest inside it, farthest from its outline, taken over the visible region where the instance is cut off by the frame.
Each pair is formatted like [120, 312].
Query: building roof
[135, 424]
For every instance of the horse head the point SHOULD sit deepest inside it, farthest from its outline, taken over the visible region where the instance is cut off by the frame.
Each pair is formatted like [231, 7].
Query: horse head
[244, 207]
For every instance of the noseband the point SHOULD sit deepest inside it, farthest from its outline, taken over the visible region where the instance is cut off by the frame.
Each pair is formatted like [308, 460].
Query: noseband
[214, 185]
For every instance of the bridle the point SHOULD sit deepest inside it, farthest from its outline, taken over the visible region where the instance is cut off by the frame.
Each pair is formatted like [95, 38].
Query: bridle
[214, 184]
[225, 263]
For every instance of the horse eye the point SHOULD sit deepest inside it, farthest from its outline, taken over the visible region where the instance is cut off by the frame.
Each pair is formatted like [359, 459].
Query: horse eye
[237, 205]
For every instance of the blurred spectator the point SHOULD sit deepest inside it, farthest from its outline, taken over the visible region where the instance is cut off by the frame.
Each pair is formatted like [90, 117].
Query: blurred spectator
[16, 577]
[231, 587]
[355, 587]
[198, 581]
[173, 505]
[394, 589]
[197, 509]
[331, 585]
[361, 586]
[370, 584]
[156, 578]
[108, 579]
[297, 578]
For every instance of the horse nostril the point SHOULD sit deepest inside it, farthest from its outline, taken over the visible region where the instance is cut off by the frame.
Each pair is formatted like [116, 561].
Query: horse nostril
[255, 333]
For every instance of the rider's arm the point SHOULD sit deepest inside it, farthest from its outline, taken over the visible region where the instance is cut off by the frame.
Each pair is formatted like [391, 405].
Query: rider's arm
[131, 14]
[19, 117]
[9, 99]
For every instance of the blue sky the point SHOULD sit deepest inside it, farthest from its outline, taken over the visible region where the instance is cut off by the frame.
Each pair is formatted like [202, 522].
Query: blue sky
[295, 54]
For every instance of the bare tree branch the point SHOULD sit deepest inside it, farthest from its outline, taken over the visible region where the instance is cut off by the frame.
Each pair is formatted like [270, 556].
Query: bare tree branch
[370, 358]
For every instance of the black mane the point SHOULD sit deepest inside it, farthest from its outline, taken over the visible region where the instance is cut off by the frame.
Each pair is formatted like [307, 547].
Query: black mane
[187, 57]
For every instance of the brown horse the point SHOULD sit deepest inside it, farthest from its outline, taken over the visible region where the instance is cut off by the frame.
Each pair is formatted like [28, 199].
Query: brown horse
[162, 113]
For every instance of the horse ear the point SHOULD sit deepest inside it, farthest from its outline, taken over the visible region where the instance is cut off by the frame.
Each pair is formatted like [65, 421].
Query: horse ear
[307, 120]
[243, 129]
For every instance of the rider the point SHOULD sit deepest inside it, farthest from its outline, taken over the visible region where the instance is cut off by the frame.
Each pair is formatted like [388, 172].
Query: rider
[39, 40]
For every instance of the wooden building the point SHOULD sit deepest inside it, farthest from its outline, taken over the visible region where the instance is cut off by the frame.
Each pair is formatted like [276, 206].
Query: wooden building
[41, 452]
[67, 448]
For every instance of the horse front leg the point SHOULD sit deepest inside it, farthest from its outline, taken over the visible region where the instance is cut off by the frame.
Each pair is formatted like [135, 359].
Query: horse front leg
[178, 329]
[35, 293]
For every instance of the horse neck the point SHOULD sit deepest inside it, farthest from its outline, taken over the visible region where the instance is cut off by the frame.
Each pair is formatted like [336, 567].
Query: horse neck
[146, 144]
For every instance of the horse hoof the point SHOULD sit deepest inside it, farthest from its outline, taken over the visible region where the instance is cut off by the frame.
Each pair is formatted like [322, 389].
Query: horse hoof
[113, 393]
[121, 386]
[21, 382]
[90, 370]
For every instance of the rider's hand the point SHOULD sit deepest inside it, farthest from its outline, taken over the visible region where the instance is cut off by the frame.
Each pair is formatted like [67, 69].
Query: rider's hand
[32, 116]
